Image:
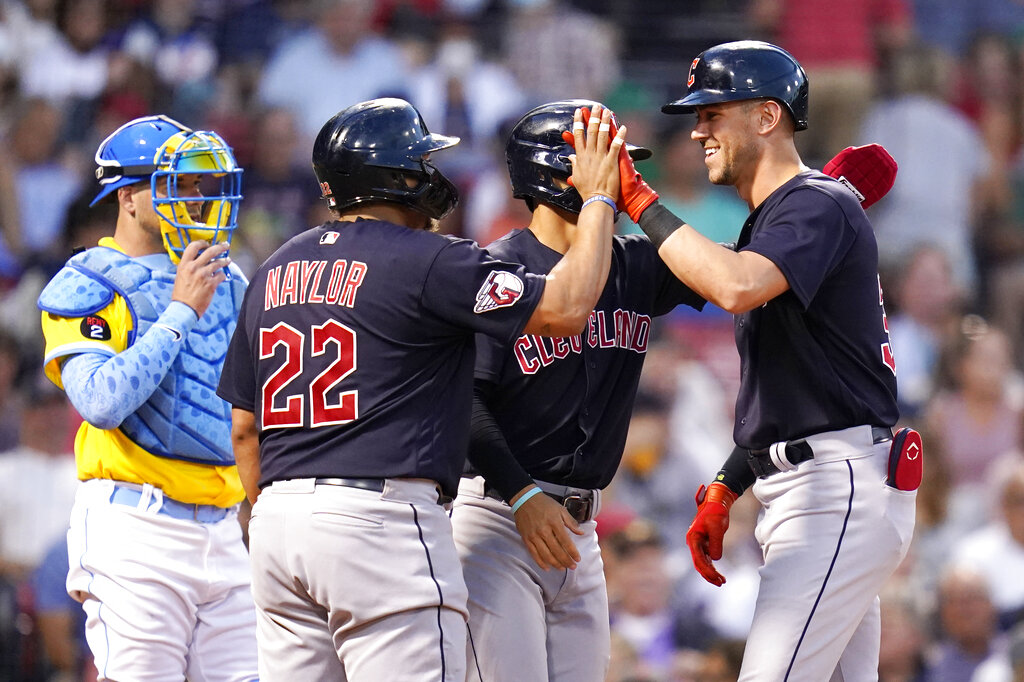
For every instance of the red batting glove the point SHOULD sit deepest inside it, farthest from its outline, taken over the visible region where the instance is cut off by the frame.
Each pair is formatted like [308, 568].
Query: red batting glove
[868, 171]
[635, 195]
[707, 531]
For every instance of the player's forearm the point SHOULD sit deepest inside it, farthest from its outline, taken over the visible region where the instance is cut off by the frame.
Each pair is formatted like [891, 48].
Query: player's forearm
[734, 281]
[575, 283]
[246, 445]
[489, 452]
[105, 390]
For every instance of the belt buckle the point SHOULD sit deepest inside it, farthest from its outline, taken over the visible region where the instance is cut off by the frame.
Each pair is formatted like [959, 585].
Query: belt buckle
[578, 507]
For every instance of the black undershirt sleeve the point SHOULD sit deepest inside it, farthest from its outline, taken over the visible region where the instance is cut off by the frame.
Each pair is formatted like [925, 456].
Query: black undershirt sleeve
[489, 452]
[658, 223]
[736, 473]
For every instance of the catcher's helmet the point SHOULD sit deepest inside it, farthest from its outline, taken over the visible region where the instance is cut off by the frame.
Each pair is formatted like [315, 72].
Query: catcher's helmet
[159, 149]
[536, 154]
[746, 69]
[377, 151]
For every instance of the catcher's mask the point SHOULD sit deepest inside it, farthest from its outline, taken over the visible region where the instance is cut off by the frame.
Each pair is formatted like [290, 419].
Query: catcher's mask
[163, 150]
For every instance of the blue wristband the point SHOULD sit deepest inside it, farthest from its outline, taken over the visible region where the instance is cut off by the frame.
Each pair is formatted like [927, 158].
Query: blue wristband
[524, 498]
[600, 197]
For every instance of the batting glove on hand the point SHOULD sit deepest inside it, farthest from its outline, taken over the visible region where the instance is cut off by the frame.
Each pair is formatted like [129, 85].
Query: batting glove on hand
[707, 531]
[635, 195]
[868, 171]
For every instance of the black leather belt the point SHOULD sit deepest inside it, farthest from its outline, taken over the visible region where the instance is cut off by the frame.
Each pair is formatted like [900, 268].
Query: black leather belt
[374, 484]
[800, 451]
[579, 502]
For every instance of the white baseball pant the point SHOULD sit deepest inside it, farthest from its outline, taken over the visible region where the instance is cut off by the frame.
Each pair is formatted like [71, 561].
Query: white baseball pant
[526, 623]
[356, 585]
[165, 598]
[831, 532]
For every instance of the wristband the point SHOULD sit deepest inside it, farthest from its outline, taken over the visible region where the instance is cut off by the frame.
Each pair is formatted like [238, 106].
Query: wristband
[735, 473]
[599, 197]
[658, 223]
[524, 498]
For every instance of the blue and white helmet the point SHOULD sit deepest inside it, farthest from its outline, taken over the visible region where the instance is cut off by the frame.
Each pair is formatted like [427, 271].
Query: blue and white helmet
[160, 149]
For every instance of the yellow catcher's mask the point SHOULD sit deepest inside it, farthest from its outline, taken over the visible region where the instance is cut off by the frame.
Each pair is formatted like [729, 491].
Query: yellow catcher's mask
[189, 213]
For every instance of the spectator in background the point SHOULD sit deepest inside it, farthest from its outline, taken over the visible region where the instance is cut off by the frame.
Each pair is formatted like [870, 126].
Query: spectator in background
[42, 187]
[464, 89]
[472, 95]
[976, 413]
[943, 166]
[60, 620]
[838, 43]
[337, 61]
[951, 25]
[37, 481]
[904, 640]
[26, 28]
[722, 661]
[249, 31]
[967, 627]
[75, 68]
[281, 196]
[643, 614]
[556, 50]
[926, 311]
[169, 39]
[655, 467]
[996, 551]
[989, 93]
[490, 210]
[1006, 665]
[11, 362]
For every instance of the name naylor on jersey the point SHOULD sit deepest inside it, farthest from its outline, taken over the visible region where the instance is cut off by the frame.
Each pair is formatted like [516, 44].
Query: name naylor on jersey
[618, 329]
[312, 281]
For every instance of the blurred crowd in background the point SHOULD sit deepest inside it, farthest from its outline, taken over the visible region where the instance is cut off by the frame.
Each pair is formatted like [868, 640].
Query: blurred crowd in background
[940, 83]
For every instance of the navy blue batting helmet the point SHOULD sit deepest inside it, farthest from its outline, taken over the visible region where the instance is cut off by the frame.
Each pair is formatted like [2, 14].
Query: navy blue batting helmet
[377, 151]
[745, 69]
[537, 155]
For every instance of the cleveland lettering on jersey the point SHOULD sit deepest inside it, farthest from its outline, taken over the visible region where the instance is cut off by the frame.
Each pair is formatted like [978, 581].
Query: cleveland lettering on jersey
[625, 329]
[301, 281]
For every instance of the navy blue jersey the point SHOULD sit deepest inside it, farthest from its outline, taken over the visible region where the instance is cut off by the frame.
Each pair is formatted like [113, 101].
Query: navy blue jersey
[564, 404]
[817, 358]
[355, 350]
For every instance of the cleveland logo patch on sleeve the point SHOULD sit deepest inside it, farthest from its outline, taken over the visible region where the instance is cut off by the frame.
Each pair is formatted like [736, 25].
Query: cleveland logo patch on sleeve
[501, 289]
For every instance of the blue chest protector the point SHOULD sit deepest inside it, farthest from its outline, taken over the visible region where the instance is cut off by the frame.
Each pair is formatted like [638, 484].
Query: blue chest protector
[184, 418]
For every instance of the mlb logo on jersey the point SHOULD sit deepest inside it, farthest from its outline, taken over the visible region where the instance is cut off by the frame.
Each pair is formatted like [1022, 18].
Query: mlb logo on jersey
[329, 237]
[501, 289]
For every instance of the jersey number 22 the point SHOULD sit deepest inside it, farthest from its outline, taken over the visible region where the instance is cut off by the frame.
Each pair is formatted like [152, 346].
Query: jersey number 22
[285, 392]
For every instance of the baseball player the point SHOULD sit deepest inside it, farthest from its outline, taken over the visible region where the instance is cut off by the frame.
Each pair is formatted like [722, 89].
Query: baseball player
[352, 365]
[549, 423]
[136, 330]
[817, 395]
